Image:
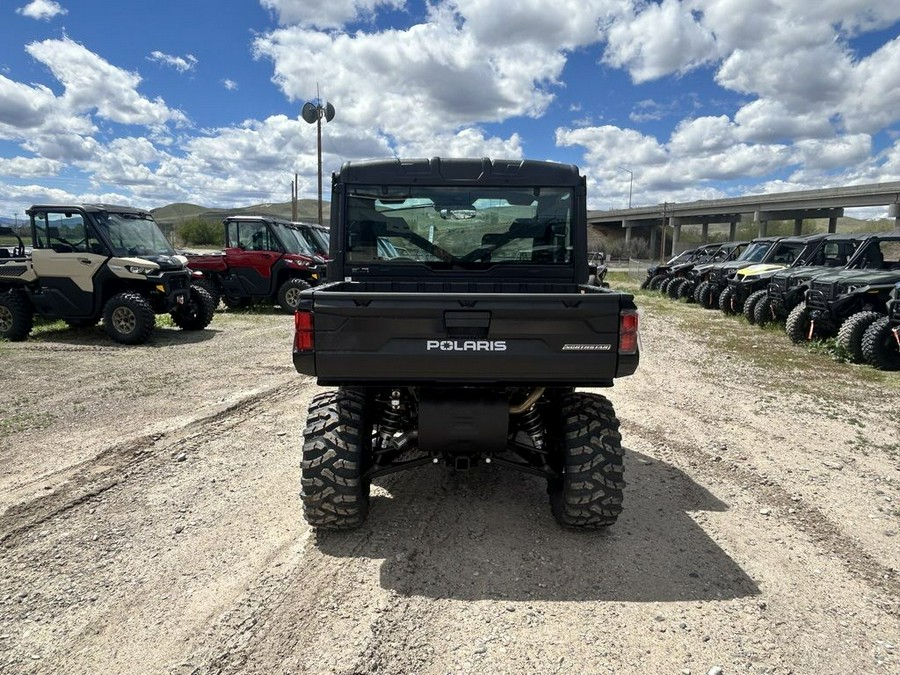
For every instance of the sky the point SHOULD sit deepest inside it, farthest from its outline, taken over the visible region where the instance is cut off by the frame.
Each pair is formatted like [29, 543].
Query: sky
[151, 103]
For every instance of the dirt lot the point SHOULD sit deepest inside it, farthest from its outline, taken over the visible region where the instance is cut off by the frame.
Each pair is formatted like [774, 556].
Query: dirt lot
[151, 524]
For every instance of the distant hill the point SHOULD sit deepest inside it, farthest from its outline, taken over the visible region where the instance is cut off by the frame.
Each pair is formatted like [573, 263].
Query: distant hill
[175, 214]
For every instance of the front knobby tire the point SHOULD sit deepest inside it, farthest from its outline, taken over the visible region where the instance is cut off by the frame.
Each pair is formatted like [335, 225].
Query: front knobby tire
[763, 313]
[211, 288]
[751, 302]
[128, 318]
[197, 312]
[589, 492]
[656, 282]
[686, 290]
[16, 316]
[336, 448]
[674, 287]
[880, 347]
[850, 335]
[707, 296]
[289, 293]
[727, 301]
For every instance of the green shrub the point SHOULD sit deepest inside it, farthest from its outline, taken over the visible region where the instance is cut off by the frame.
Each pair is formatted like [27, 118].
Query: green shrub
[197, 232]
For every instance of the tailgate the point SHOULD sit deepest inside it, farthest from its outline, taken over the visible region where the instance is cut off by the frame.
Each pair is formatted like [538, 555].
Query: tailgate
[561, 339]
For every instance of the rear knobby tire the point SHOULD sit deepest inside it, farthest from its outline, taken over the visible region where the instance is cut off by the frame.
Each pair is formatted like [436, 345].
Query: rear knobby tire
[336, 447]
[128, 318]
[850, 335]
[589, 493]
[16, 316]
[751, 302]
[879, 346]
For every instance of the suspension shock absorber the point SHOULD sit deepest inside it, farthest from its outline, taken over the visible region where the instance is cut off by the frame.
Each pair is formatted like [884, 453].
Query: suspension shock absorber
[391, 418]
[531, 424]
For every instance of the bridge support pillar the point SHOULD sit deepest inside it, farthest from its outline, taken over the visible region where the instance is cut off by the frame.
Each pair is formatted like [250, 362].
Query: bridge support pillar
[627, 226]
[894, 212]
[732, 230]
[704, 233]
[761, 218]
[798, 226]
[676, 233]
[654, 240]
[832, 224]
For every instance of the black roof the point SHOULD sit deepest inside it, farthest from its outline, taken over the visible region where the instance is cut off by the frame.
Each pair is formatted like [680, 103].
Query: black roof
[89, 208]
[449, 171]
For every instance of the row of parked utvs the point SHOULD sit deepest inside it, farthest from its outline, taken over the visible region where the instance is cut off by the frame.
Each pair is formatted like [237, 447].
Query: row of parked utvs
[99, 262]
[820, 286]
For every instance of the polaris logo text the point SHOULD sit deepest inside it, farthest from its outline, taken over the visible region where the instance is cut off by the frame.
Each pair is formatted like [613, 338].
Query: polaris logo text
[466, 345]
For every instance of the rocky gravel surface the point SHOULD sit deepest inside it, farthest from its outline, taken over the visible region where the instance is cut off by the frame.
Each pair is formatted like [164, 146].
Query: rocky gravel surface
[150, 523]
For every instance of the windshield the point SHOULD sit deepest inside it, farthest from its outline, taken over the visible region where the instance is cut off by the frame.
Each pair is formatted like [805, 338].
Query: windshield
[293, 240]
[315, 237]
[460, 227]
[755, 252]
[133, 234]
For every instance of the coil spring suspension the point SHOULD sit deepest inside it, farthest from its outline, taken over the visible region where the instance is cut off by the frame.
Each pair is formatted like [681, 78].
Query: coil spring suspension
[532, 425]
[391, 418]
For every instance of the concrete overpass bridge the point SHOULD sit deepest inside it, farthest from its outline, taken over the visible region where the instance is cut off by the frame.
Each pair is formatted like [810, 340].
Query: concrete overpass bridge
[648, 221]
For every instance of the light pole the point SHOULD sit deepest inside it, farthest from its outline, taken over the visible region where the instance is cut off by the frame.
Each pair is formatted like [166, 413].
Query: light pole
[630, 183]
[313, 113]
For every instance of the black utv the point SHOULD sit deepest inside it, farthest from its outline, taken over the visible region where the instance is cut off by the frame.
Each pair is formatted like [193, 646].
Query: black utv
[845, 303]
[881, 341]
[787, 287]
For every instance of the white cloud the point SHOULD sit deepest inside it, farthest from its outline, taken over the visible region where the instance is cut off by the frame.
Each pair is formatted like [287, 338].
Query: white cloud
[325, 13]
[564, 25]
[434, 78]
[92, 83]
[29, 167]
[23, 107]
[660, 40]
[230, 85]
[42, 10]
[180, 63]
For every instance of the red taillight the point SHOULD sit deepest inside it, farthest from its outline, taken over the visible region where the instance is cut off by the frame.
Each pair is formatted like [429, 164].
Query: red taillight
[303, 331]
[628, 332]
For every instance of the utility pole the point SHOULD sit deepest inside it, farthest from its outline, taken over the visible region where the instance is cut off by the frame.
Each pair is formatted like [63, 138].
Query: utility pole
[313, 114]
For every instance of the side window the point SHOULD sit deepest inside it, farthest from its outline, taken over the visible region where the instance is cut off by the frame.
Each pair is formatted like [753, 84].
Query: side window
[232, 240]
[890, 251]
[255, 237]
[64, 232]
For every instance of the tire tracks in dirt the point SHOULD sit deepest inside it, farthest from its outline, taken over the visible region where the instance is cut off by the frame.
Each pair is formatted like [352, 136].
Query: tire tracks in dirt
[115, 464]
[800, 514]
[324, 579]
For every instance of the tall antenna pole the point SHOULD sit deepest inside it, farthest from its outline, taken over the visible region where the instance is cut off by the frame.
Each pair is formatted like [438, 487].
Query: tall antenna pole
[319, 149]
[314, 112]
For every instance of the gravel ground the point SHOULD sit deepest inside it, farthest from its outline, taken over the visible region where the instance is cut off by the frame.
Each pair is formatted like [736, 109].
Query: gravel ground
[150, 523]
